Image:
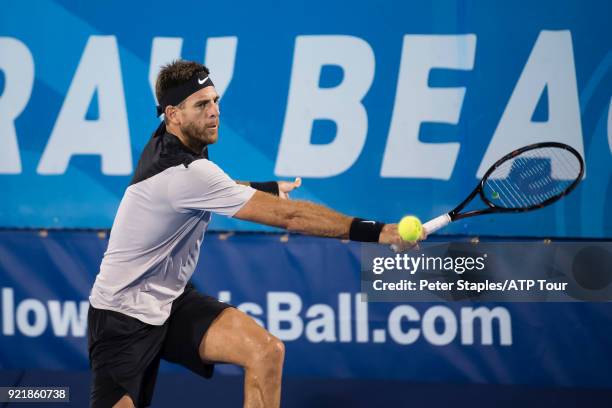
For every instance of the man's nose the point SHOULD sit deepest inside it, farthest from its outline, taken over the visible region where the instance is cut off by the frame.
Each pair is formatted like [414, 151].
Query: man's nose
[214, 109]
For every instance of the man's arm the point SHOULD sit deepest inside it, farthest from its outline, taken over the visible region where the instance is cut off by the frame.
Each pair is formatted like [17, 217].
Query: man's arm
[306, 218]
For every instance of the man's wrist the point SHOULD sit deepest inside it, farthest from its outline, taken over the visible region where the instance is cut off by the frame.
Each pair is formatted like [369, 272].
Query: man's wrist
[270, 187]
[365, 230]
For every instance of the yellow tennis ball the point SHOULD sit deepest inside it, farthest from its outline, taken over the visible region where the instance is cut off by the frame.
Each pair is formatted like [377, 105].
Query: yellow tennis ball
[410, 228]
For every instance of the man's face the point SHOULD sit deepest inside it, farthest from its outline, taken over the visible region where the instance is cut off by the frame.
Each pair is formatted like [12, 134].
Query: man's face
[200, 116]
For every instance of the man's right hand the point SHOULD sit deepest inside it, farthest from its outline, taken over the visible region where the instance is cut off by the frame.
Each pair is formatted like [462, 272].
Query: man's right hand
[390, 236]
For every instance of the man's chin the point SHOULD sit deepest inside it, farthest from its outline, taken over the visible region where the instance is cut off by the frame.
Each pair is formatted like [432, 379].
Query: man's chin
[212, 139]
[209, 138]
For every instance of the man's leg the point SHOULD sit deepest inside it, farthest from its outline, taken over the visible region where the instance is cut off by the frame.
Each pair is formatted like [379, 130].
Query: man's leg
[235, 338]
[124, 402]
[124, 354]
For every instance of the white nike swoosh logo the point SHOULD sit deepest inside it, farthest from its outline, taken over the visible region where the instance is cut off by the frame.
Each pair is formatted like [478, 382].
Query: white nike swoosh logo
[201, 81]
[370, 222]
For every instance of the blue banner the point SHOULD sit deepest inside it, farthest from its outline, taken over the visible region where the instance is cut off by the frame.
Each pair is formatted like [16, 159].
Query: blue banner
[306, 292]
[383, 109]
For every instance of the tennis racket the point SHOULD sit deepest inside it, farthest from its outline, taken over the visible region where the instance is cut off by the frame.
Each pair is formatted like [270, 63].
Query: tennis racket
[526, 179]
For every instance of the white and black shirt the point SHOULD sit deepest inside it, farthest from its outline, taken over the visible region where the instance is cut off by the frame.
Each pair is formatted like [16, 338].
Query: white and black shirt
[160, 224]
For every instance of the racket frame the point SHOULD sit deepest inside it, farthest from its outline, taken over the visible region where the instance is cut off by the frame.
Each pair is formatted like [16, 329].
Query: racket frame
[492, 208]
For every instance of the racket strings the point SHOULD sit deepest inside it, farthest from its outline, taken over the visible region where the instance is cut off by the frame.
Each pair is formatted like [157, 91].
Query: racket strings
[532, 177]
[512, 187]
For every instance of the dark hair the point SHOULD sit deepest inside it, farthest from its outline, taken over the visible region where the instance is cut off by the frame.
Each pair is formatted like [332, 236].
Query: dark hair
[176, 73]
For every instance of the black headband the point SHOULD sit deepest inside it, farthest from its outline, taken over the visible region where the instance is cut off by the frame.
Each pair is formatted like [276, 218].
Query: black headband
[179, 93]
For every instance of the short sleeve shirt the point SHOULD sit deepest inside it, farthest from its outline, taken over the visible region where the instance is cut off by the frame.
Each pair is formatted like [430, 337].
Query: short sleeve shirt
[159, 228]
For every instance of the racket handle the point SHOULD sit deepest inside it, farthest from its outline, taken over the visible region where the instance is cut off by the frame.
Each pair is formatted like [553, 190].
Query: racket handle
[435, 224]
[430, 226]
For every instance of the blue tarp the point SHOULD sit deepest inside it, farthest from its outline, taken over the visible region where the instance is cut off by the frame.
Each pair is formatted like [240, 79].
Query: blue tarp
[306, 291]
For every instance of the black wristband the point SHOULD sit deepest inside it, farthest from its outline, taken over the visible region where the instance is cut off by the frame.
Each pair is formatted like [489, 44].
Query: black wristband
[270, 187]
[365, 230]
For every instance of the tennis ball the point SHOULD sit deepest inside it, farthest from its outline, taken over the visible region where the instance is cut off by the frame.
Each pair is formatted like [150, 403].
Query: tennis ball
[410, 228]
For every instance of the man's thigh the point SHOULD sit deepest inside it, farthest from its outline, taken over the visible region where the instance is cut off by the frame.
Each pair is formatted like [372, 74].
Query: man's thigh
[191, 317]
[203, 331]
[235, 338]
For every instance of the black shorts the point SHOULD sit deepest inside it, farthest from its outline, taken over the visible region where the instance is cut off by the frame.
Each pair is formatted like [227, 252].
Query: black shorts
[124, 353]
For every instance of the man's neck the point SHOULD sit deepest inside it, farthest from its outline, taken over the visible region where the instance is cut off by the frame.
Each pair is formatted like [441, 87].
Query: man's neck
[192, 145]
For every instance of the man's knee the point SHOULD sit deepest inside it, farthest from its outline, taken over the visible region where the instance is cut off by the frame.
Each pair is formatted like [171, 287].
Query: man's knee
[236, 338]
[270, 354]
[276, 350]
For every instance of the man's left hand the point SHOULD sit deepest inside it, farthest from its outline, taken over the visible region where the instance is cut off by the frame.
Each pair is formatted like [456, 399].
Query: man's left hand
[285, 187]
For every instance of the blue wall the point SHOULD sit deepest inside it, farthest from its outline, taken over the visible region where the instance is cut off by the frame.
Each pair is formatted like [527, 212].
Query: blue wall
[385, 109]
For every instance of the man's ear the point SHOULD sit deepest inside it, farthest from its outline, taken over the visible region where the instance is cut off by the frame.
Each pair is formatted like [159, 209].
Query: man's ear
[171, 114]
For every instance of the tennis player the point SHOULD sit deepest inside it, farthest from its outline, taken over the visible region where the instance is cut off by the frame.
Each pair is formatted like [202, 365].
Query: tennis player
[143, 306]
